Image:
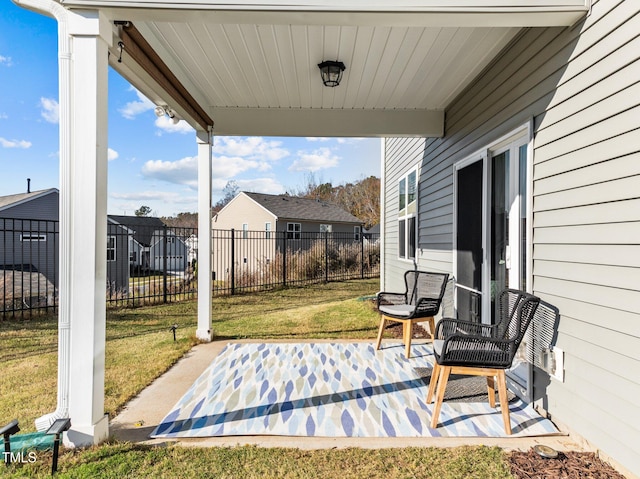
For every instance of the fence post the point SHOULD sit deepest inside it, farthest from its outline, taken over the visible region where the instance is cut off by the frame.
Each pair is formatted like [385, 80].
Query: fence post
[164, 265]
[284, 258]
[326, 256]
[361, 255]
[233, 261]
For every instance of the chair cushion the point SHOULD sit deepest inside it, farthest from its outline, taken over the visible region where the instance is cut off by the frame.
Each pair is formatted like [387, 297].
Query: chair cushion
[437, 346]
[397, 310]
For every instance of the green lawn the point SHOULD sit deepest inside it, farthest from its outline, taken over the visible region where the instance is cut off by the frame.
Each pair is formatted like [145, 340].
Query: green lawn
[140, 347]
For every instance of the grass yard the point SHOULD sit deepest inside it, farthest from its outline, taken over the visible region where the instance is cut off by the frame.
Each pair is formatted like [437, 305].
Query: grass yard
[140, 347]
[113, 461]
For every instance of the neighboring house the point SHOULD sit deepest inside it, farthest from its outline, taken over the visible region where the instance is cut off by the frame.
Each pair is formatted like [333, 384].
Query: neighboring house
[28, 233]
[29, 241]
[147, 244]
[535, 185]
[296, 221]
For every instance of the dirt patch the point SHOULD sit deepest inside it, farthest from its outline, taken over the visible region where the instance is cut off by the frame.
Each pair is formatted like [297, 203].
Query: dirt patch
[568, 465]
[395, 329]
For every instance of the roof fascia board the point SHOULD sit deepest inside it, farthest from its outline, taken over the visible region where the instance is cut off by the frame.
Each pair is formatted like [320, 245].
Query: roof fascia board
[496, 14]
[328, 123]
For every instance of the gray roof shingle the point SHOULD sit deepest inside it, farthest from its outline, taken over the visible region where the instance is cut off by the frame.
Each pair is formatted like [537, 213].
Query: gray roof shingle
[303, 209]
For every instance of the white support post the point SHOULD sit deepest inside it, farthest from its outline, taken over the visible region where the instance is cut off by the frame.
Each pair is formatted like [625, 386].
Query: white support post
[205, 296]
[83, 225]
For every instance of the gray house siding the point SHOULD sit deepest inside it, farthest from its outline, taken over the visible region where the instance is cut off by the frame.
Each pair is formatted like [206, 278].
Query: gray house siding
[581, 88]
[37, 216]
[118, 267]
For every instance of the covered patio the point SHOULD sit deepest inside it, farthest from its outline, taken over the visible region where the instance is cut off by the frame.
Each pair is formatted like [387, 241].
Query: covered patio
[242, 68]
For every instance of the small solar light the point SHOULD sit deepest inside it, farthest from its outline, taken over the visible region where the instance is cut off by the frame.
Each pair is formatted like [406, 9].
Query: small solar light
[545, 451]
[173, 328]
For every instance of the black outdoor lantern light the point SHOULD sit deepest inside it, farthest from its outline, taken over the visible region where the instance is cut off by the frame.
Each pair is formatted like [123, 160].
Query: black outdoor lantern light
[331, 72]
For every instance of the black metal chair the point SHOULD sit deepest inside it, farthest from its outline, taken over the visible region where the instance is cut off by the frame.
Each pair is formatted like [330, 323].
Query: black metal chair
[420, 302]
[475, 349]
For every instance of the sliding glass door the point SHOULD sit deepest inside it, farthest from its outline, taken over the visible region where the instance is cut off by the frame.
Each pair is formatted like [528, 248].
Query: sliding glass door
[491, 212]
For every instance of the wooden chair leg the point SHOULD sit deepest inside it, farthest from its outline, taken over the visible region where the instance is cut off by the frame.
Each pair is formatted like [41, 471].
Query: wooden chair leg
[432, 327]
[442, 385]
[383, 322]
[504, 402]
[491, 390]
[407, 330]
[434, 381]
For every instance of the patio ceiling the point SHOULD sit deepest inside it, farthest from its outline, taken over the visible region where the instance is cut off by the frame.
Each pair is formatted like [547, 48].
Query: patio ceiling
[252, 67]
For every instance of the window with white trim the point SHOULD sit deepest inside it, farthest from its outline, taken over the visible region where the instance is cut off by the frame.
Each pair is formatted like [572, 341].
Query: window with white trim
[111, 248]
[407, 215]
[325, 228]
[293, 231]
[245, 230]
[267, 230]
[356, 233]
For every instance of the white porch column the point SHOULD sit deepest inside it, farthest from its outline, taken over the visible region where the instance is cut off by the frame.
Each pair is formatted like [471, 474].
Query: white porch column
[205, 296]
[83, 224]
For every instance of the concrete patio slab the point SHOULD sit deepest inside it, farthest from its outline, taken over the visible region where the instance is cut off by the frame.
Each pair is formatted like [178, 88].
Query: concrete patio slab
[141, 415]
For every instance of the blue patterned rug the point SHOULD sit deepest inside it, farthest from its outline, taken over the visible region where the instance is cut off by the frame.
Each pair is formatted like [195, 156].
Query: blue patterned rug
[329, 390]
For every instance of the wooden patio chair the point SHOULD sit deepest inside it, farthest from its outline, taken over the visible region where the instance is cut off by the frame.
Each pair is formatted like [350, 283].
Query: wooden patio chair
[420, 301]
[475, 349]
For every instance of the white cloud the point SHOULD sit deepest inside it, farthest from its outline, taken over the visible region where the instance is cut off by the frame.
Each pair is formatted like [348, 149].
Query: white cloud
[167, 196]
[134, 108]
[166, 124]
[15, 143]
[342, 141]
[262, 185]
[182, 172]
[317, 138]
[230, 166]
[50, 110]
[5, 61]
[253, 147]
[317, 160]
[112, 154]
[3, 116]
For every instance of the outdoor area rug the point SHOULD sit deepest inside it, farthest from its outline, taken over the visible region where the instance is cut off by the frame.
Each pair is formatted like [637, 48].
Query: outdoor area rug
[330, 390]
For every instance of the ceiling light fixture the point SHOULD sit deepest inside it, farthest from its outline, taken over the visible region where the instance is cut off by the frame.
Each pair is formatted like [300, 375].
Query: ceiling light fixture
[331, 72]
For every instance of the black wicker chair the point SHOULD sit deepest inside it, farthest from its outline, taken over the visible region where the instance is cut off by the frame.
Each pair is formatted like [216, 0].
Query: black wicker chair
[420, 302]
[468, 348]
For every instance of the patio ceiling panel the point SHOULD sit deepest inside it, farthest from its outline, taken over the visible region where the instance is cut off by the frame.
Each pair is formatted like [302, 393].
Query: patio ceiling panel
[253, 65]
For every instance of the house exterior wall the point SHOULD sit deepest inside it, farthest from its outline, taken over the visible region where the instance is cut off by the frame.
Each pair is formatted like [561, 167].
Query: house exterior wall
[580, 88]
[240, 210]
[38, 216]
[176, 251]
[118, 267]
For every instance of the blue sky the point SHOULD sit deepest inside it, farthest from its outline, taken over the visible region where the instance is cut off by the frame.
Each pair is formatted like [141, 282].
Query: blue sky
[151, 161]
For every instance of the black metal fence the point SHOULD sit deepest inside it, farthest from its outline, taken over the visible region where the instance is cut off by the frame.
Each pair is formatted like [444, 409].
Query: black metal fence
[258, 260]
[149, 264]
[28, 267]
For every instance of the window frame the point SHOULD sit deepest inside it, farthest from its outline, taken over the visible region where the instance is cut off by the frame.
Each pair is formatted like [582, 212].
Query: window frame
[33, 237]
[326, 228]
[267, 229]
[357, 232]
[292, 233]
[112, 249]
[408, 215]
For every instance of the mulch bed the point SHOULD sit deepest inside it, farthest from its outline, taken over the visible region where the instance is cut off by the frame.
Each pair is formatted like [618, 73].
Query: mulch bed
[530, 465]
[568, 465]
